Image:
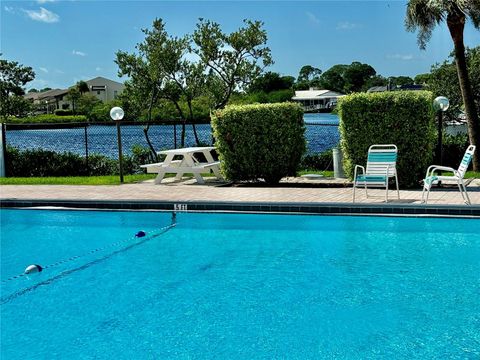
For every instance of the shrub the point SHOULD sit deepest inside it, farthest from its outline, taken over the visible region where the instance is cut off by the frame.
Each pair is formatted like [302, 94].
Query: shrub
[63, 112]
[402, 118]
[40, 162]
[454, 147]
[47, 118]
[321, 161]
[263, 141]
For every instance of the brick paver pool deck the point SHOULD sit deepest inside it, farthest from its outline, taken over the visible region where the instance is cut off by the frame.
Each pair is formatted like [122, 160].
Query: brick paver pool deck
[192, 192]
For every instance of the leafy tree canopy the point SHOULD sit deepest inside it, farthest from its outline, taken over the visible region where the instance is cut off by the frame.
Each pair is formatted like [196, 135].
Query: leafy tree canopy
[13, 77]
[271, 81]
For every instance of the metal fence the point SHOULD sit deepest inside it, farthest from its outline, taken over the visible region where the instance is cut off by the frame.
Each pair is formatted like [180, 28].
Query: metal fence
[85, 139]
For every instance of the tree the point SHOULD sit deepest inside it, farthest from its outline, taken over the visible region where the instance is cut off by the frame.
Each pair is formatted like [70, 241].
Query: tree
[443, 81]
[13, 77]
[333, 78]
[421, 79]
[308, 73]
[162, 70]
[356, 76]
[73, 96]
[401, 80]
[33, 90]
[234, 59]
[82, 87]
[424, 15]
[271, 81]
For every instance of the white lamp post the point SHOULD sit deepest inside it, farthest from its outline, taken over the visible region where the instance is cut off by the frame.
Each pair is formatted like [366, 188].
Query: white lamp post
[440, 104]
[117, 114]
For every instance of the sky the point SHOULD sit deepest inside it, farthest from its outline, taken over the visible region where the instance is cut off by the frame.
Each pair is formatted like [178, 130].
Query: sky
[67, 41]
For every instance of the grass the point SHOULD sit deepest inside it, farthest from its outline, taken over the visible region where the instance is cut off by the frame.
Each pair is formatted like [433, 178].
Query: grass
[129, 179]
[76, 180]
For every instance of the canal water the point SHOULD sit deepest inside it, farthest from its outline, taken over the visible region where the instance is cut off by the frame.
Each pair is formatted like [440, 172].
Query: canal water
[321, 134]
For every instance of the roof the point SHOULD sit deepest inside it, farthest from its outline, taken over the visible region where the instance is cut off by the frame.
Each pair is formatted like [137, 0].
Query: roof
[45, 95]
[315, 94]
[378, 89]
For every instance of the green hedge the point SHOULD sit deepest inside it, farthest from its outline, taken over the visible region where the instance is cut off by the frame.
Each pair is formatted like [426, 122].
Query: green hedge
[47, 118]
[321, 161]
[403, 118]
[39, 163]
[262, 141]
[63, 112]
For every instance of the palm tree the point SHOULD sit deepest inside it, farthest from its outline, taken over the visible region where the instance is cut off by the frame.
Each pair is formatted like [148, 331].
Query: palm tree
[424, 15]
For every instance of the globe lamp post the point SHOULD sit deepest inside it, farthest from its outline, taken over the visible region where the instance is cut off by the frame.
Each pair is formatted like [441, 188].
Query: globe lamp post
[117, 114]
[440, 104]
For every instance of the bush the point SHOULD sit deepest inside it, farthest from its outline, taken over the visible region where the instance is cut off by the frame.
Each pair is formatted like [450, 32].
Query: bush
[39, 163]
[259, 141]
[454, 147]
[46, 118]
[63, 112]
[321, 161]
[401, 118]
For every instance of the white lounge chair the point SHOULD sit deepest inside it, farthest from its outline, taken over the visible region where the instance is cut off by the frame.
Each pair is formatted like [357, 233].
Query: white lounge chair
[431, 178]
[381, 166]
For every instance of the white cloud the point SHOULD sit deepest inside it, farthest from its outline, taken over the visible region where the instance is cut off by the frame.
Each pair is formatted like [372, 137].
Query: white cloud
[9, 9]
[346, 25]
[405, 57]
[98, 68]
[78, 53]
[43, 15]
[45, 70]
[57, 71]
[312, 18]
[44, 1]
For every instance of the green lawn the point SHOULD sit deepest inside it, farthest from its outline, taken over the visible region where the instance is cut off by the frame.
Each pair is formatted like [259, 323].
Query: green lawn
[75, 180]
[128, 179]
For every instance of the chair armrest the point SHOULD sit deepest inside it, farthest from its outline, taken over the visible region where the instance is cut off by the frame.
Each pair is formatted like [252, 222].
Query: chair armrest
[355, 172]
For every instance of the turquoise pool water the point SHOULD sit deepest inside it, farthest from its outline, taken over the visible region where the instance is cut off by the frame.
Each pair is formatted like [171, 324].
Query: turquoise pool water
[237, 286]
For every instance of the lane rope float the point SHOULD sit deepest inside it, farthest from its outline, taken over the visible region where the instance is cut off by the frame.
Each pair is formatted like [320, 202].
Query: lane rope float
[35, 268]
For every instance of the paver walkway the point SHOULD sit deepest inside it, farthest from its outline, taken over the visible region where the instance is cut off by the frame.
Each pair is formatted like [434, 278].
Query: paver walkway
[189, 192]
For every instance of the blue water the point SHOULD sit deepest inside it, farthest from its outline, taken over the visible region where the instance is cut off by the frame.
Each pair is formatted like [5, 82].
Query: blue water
[321, 134]
[229, 286]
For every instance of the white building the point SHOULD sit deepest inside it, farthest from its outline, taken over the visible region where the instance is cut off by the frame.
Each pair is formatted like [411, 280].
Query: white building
[105, 89]
[313, 100]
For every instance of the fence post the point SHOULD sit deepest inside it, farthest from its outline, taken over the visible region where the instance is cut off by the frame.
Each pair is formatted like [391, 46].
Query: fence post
[86, 149]
[3, 151]
[175, 135]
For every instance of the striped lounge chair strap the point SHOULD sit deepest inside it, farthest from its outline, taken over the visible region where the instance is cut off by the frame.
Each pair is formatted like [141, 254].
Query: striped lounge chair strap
[371, 178]
[377, 156]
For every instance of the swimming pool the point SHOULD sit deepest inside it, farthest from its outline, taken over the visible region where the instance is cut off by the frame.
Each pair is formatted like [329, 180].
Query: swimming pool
[239, 286]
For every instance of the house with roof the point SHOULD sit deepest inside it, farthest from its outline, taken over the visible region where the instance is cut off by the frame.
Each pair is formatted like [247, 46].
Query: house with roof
[102, 88]
[317, 100]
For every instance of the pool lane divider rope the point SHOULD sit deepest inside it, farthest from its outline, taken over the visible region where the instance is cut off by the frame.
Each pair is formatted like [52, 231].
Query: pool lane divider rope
[76, 257]
[8, 298]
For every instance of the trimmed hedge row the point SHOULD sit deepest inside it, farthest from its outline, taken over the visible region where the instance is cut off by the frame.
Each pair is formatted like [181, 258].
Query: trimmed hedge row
[39, 163]
[261, 141]
[47, 118]
[403, 118]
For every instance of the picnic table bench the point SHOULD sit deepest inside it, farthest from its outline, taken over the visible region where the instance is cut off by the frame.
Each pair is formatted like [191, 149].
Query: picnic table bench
[188, 164]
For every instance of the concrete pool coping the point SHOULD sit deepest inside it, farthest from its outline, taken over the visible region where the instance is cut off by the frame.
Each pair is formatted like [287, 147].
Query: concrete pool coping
[248, 207]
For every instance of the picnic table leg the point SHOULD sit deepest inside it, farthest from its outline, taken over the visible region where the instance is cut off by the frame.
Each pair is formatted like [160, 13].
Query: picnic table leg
[199, 178]
[160, 176]
[216, 169]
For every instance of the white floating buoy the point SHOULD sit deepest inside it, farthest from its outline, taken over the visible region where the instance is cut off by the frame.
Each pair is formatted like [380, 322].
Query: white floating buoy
[31, 269]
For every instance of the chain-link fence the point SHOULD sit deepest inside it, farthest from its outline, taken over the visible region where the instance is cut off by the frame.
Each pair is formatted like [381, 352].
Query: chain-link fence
[89, 140]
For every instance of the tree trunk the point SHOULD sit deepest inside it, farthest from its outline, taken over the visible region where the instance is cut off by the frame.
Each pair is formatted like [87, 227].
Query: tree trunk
[456, 24]
[184, 120]
[153, 152]
[190, 109]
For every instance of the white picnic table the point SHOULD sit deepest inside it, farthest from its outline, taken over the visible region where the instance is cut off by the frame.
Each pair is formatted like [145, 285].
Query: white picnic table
[187, 165]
